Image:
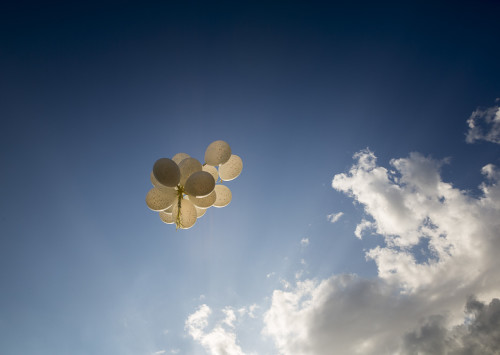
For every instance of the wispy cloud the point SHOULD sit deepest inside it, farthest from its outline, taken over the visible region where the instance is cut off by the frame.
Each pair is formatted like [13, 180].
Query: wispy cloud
[484, 124]
[334, 217]
[219, 340]
[361, 227]
[304, 242]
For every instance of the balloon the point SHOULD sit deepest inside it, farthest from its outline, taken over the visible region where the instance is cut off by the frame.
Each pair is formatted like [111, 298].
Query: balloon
[200, 212]
[166, 172]
[180, 157]
[199, 184]
[212, 170]
[169, 209]
[231, 169]
[157, 184]
[223, 196]
[187, 167]
[167, 217]
[188, 214]
[217, 152]
[159, 200]
[203, 202]
[183, 189]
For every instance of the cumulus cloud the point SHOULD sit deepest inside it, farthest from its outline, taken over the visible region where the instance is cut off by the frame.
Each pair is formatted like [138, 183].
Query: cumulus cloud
[218, 341]
[415, 205]
[484, 124]
[334, 217]
[480, 336]
[341, 315]
[441, 246]
[458, 241]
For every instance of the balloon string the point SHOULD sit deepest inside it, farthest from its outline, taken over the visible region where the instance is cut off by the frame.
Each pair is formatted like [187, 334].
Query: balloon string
[180, 192]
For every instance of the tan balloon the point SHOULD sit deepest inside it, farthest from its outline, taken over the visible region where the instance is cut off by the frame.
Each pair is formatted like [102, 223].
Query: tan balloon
[200, 212]
[223, 196]
[217, 152]
[159, 200]
[180, 157]
[169, 209]
[203, 202]
[167, 217]
[231, 169]
[187, 167]
[157, 184]
[188, 214]
[166, 172]
[199, 184]
[212, 170]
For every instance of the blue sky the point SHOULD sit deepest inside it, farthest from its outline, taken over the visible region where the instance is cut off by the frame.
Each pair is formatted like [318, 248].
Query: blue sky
[92, 94]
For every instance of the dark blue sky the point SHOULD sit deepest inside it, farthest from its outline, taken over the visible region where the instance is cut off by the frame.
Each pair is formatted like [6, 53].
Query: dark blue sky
[92, 94]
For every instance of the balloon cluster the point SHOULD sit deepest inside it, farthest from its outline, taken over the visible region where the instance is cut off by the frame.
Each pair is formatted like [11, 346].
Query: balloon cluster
[183, 188]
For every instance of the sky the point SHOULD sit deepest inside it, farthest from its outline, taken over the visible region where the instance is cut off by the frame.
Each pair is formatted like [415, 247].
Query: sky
[365, 220]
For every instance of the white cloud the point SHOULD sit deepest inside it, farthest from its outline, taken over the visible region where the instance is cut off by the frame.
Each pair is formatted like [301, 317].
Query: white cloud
[361, 227]
[304, 242]
[334, 217]
[344, 313]
[480, 336]
[285, 284]
[252, 309]
[218, 341]
[484, 124]
[458, 242]
[416, 207]
[198, 321]
[230, 317]
[441, 246]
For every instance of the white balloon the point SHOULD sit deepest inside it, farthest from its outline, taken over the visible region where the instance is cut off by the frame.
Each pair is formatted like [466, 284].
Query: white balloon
[217, 152]
[157, 184]
[223, 196]
[167, 217]
[169, 209]
[188, 214]
[187, 167]
[200, 212]
[212, 170]
[159, 200]
[231, 169]
[180, 157]
[166, 172]
[203, 202]
[199, 184]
